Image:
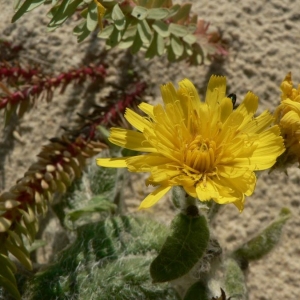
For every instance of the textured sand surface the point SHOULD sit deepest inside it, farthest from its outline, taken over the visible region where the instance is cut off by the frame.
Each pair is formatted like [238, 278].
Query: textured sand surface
[264, 38]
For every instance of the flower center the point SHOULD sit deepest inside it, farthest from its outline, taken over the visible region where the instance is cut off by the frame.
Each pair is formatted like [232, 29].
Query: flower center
[200, 155]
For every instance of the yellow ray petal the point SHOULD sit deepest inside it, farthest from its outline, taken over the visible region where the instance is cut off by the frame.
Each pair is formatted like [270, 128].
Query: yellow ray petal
[248, 107]
[206, 191]
[147, 109]
[136, 120]
[168, 93]
[216, 90]
[153, 197]
[118, 162]
[130, 139]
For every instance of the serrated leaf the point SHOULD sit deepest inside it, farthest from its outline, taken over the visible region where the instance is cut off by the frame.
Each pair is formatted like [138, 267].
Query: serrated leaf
[66, 9]
[177, 45]
[157, 13]
[265, 241]
[27, 6]
[178, 30]
[182, 249]
[139, 12]
[161, 28]
[144, 31]
[190, 39]
[183, 13]
[198, 291]
[137, 44]
[106, 32]
[92, 17]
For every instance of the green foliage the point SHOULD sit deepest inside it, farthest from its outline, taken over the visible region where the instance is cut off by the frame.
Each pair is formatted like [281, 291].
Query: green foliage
[182, 249]
[234, 281]
[109, 260]
[156, 27]
[262, 244]
[198, 291]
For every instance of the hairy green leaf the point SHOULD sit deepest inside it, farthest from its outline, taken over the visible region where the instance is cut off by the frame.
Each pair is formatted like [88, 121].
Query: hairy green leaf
[265, 241]
[28, 5]
[182, 249]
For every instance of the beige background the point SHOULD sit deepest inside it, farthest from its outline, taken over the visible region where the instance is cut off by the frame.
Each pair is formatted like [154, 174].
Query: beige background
[264, 38]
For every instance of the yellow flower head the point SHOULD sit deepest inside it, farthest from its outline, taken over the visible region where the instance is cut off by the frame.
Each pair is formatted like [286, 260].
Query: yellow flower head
[206, 147]
[287, 116]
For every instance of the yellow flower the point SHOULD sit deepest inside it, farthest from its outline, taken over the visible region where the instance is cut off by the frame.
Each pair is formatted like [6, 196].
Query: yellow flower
[287, 116]
[206, 147]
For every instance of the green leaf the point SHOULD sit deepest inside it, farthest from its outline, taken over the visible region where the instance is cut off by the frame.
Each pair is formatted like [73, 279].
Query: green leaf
[17, 4]
[177, 45]
[66, 9]
[182, 249]
[137, 44]
[92, 17]
[144, 31]
[198, 291]
[157, 13]
[161, 28]
[27, 6]
[139, 12]
[114, 38]
[10, 287]
[262, 244]
[234, 281]
[158, 3]
[106, 32]
[173, 10]
[81, 31]
[183, 13]
[117, 13]
[190, 39]
[96, 204]
[178, 30]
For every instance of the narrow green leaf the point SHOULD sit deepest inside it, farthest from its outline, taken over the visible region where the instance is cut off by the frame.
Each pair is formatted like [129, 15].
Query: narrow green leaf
[183, 13]
[139, 12]
[137, 44]
[157, 13]
[27, 6]
[92, 17]
[182, 249]
[10, 287]
[17, 4]
[161, 28]
[144, 31]
[265, 241]
[178, 30]
[66, 9]
[198, 291]
[176, 45]
[106, 32]
[117, 13]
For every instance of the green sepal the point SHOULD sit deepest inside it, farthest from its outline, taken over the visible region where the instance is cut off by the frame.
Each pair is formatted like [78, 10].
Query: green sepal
[182, 249]
[262, 244]
[27, 6]
[198, 291]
